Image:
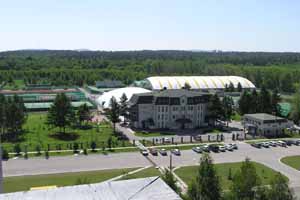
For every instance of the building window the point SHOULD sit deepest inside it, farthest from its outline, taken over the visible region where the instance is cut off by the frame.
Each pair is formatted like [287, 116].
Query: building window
[173, 116]
[158, 109]
[163, 109]
[158, 116]
[166, 109]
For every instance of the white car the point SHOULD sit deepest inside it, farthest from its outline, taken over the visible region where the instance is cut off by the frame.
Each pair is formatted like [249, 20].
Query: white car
[222, 148]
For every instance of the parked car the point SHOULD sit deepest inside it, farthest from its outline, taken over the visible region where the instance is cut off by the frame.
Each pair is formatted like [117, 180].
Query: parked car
[256, 145]
[273, 143]
[144, 152]
[153, 151]
[206, 148]
[197, 149]
[265, 144]
[281, 143]
[167, 140]
[297, 142]
[229, 147]
[214, 148]
[176, 152]
[288, 142]
[163, 152]
[234, 146]
[222, 148]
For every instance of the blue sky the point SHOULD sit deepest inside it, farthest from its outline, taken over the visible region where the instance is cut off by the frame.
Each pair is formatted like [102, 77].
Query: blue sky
[244, 25]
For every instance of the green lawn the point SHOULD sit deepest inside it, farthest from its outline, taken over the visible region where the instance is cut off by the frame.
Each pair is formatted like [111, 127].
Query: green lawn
[292, 161]
[152, 134]
[23, 183]
[236, 117]
[17, 84]
[36, 133]
[149, 172]
[189, 173]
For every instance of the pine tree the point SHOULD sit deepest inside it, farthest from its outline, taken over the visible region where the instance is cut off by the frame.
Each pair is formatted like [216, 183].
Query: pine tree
[123, 106]
[227, 104]
[239, 87]
[264, 105]
[275, 99]
[83, 113]
[168, 177]
[253, 106]
[280, 188]
[231, 87]
[207, 183]
[61, 113]
[296, 105]
[114, 112]
[244, 103]
[244, 182]
[215, 108]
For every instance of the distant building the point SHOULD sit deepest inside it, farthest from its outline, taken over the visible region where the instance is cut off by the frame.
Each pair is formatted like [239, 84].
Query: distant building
[109, 84]
[169, 109]
[152, 188]
[201, 83]
[265, 124]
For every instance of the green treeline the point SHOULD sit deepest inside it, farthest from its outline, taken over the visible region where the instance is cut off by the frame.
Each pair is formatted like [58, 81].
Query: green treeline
[273, 70]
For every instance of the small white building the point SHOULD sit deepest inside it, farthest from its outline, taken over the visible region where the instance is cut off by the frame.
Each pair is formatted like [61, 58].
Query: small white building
[265, 124]
[169, 109]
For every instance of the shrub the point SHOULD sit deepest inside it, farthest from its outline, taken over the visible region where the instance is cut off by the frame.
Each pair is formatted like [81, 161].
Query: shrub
[47, 154]
[5, 155]
[85, 152]
[38, 150]
[93, 146]
[75, 147]
[17, 149]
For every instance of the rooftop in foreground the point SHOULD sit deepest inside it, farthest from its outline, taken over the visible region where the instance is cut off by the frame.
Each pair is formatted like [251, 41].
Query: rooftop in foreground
[152, 188]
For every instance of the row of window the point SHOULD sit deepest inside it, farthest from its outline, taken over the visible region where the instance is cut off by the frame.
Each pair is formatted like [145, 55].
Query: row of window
[176, 108]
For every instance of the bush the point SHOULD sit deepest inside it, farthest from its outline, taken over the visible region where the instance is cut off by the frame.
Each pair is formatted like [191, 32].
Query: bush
[38, 150]
[85, 152]
[93, 146]
[5, 155]
[75, 147]
[17, 149]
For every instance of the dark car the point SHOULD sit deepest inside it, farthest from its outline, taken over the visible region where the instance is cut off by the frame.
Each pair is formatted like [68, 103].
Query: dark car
[297, 142]
[214, 148]
[256, 145]
[163, 152]
[288, 142]
[153, 151]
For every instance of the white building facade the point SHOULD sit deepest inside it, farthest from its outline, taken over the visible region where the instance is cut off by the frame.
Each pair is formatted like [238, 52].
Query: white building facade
[169, 109]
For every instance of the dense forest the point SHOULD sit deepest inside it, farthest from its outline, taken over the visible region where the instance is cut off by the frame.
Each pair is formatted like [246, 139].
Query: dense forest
[273, 70]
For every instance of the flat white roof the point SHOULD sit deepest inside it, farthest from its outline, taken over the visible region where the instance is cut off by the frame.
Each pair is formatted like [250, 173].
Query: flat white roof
[152, 188]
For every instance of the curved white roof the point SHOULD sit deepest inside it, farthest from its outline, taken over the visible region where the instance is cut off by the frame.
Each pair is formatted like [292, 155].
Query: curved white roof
[197, 82]
[105, 98]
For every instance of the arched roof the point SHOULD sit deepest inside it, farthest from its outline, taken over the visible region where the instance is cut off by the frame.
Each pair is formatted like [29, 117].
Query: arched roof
[104, 99]
[197, 82]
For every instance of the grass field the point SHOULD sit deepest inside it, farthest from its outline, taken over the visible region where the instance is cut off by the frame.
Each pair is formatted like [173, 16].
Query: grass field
[292, 161]
[189, 173]
[36, 133]
[149, 172]
[152, 134]
[23, 183]
[17, 84]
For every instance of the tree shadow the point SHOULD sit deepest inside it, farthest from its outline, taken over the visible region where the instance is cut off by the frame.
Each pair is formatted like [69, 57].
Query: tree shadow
[70, 136]
[84, 127]
[14, 137]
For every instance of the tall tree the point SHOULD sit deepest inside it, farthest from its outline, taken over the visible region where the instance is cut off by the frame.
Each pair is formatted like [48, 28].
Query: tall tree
[239, 87]
[264, 101]
[244, 103]
[231, 87]
[244, 182]
[296, 105]
[114, 112]
[253, 106]
[215, 108]
[280, 189]
[124, 106]
[61, 113]
[168, 177]
[227, 103]
[275, 99]
[207, 183]
[83, 113]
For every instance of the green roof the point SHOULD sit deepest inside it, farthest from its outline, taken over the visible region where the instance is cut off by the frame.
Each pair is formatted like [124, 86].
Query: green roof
[285, 109]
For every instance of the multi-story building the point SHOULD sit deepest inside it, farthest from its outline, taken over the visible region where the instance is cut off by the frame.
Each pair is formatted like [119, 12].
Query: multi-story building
[169, 109]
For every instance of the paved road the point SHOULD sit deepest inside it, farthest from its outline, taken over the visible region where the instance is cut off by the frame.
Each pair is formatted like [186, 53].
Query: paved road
[73, 164]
